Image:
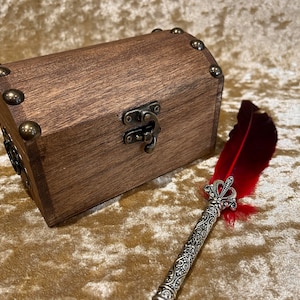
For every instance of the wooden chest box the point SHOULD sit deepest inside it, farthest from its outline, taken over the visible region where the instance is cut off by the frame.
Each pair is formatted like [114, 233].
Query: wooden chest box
[83, 126]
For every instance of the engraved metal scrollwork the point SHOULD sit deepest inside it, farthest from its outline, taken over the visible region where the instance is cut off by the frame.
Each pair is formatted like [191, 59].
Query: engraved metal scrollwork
[221, 195]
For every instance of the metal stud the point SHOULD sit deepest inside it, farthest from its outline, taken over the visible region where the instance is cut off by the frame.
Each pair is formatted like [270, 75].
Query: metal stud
[156, 30]
[4, 71]
[215, 71]
[129, 139]
[197, 44]
[128, 119]
[29, 130]
[13, 96]
[156, 109]
[177, 30]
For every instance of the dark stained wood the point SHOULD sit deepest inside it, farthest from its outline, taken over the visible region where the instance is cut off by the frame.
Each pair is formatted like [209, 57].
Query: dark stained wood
[78, 98]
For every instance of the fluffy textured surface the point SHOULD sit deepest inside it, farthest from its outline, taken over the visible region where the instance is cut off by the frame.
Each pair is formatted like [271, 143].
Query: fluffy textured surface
[124, 250]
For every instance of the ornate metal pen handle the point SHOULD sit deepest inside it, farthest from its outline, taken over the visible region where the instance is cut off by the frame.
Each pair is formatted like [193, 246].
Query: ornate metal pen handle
[221, 195]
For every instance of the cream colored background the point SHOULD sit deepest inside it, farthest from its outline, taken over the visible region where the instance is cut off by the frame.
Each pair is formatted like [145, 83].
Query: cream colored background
[124, 250]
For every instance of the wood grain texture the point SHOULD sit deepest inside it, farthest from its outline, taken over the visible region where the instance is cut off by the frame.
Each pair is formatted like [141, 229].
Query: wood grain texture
[78, 98]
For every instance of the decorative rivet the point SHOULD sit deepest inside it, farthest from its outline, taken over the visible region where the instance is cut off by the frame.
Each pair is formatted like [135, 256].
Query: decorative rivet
[128, 119]
[156, 30]
[13, 97]
[29, 130]
[128, 139]
[215, 71]
[177, 30]
[156, 109]
[197, 44]
[4, 71]
[147, 117]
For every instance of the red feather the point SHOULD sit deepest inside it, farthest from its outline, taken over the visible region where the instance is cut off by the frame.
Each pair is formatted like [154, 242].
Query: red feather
[247, 153]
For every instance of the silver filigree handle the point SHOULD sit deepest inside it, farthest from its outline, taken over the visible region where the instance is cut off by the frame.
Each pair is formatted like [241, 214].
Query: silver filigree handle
[221, 195]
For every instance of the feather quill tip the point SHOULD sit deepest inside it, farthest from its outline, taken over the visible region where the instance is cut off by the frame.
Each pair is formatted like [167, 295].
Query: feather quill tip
[245, 155]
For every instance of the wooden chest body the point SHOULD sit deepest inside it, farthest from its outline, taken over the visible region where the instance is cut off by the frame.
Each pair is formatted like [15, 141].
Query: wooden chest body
[78, 100]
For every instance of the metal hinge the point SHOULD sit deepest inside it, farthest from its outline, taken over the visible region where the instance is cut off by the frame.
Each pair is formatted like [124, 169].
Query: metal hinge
[147, 132]
[14, 156]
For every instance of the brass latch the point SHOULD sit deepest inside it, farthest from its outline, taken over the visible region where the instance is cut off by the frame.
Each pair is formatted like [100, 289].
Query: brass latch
[147, 132]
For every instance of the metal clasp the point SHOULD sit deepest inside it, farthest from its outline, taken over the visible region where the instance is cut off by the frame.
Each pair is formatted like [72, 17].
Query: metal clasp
[147, 132]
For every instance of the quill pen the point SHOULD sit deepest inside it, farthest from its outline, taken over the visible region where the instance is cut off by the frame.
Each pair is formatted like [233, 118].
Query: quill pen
[245, 155]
